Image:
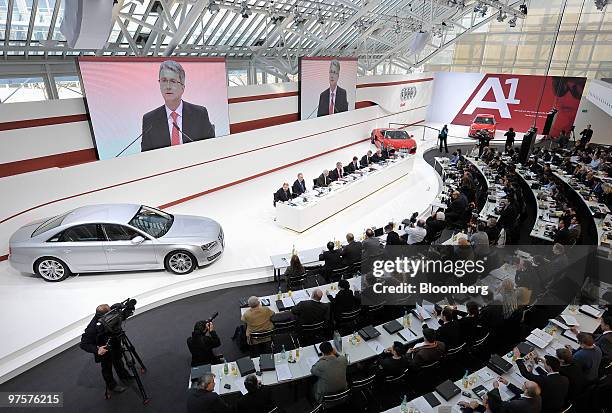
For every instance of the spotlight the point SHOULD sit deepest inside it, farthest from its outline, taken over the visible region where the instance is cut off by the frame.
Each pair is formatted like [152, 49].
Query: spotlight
[601, 4]
[523, 9]
[213, 7]
[245, 12]
[512, 21]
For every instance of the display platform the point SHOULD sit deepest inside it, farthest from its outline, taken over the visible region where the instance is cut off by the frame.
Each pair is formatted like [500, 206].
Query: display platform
[46, 318]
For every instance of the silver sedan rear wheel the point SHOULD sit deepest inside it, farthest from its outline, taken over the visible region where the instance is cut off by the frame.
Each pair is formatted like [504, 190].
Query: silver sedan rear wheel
[180, 262]
[52, 269]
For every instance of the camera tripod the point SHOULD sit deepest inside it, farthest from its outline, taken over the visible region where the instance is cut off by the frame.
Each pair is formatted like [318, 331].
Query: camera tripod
[131, 357]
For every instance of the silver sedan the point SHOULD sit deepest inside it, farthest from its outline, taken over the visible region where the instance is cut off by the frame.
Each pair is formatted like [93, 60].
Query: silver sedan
[115, 237]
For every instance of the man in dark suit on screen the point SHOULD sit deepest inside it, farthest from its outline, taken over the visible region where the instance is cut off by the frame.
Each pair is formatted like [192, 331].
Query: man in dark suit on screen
[176, 122]
[333, 99]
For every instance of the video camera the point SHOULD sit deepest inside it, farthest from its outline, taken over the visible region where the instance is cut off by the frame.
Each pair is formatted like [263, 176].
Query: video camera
[112, 321]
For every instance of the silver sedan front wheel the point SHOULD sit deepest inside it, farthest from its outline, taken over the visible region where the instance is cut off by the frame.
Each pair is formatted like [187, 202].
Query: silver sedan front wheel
[180, 262]
[52, 269]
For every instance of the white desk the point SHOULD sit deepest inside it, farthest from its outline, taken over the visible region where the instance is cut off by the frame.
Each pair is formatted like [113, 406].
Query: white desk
[303, 215]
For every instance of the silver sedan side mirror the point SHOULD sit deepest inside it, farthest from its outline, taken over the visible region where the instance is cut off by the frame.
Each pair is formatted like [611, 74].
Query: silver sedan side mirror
[138, 240]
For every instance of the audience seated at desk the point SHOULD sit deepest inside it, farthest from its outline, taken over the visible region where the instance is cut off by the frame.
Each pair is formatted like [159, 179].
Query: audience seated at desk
[312, 311]
[351, 252]
[295, 267]
[337, 173]
[330, 372]
[204, 399]
[353, 166]
[435, 224]
[366, 160]
[283, 194]
[257, 319]
[427, 352]
[323, 180]
[258, 398]
[344, 301]
[415, 234]
[333, 260]
[392, 362]
[378, 156]
[372, 248]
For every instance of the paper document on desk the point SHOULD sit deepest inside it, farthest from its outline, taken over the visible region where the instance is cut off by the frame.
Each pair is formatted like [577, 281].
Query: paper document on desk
[570, 334]
[240, 384]
[592, 311]
[300, 295]
[552, 348]
[420, 310]
[429, 307]
[503, 391]
[536, 341]
[542, 335]
[407, 334]
[558, 323]
[217, 384]
[376, 347]
[570, 320]
[283, 373]
[288, 302]
[311, 361]
[421, 404]
[485, 376]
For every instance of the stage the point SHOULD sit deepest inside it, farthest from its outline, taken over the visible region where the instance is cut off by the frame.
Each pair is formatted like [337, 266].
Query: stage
[46, 318]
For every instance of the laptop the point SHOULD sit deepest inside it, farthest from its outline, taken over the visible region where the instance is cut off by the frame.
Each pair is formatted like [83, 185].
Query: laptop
[266, 362]
[392, 327]
[498, 364]
[245, 366]
[378, 232]
[448, 390]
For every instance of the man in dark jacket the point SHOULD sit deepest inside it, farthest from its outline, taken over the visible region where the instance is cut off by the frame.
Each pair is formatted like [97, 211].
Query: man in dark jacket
[312, 311]
[283, 194]
[449, 331]
[201, 344]
[332, 259]
[204, 399]
[573, 372]
[427, 352]
[106, 350]
[353, 166]
[351, 252]
[299, 186]
[366, 159]
[258, 398]
[344, 301]
[553, 385]
[529, 402]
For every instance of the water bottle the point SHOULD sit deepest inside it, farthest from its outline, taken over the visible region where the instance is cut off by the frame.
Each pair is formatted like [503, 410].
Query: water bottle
[279, 295]
[406, 318]
[283, 353]
[338, 341]
[404, 405]
[225, 368]
[465, 380]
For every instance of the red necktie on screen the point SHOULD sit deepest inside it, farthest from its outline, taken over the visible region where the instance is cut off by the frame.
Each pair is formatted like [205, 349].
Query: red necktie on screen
[175, 132]
[331, 104]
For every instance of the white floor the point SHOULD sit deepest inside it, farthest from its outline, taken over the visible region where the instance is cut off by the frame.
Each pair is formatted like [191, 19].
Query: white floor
[41, 319]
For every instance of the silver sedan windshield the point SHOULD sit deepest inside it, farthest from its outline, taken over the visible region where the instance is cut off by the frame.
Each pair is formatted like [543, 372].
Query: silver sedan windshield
[152, 221]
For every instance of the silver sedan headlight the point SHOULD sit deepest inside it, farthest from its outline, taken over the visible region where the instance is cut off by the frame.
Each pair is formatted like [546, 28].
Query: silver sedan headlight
[209, 246]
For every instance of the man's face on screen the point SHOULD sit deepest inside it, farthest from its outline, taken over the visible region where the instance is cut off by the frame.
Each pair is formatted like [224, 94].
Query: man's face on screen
[170, 86]
[334, 73]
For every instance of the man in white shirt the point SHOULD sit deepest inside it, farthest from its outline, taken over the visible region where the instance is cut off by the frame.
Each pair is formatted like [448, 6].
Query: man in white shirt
[176, 122]
[333, 99]
[417, 233]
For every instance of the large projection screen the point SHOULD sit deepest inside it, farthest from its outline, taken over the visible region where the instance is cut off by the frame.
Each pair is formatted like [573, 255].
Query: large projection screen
[127, 97]
[319, 76]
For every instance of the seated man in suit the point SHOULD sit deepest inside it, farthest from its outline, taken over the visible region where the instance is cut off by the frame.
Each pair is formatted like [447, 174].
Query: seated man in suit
[257, 319]
[283, 194]
[570, 369]
[554, 386]
[312, 311]
[449, 331]
[366, 159]
[299, 186]
[332, 259]
[330, 372]
[333, 99]
[351, 252]
[257, 399]
[435, 224]
[377, 157]
[176, 121]
[427, 352]
[324, 179]
[204, 399]
[392, 362]
[337, 173]
[529, 402]
[353, 166]
[603, 340]
[201, 344]
[372, 248]
[344, 301]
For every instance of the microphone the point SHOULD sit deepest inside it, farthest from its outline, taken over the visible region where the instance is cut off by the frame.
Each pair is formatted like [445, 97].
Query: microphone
[137, 137]
[183, 133]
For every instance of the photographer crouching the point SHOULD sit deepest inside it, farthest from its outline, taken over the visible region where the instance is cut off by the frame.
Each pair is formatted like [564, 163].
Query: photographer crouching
[202, 342]
[106, 349]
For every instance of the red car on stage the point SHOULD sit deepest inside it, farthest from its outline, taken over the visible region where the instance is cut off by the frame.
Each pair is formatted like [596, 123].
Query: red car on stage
[399, 139]
[485, 122]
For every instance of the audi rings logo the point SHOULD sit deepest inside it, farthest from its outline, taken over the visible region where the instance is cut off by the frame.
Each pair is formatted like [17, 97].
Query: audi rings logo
[407, 93]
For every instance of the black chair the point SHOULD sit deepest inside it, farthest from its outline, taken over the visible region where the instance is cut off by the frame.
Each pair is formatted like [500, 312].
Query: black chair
[275, 199]
[312, 273]
[296, 282]
[262, 347]
[373, 313]
[354, 269]
[314, 183]
[365, 387]
[312, 333]
[452, 363]
[433, 237]
[392, 388]
[478, 348]
[338, 273]
[316, 409]
[287, 326]
[568, 409]
[425, 378]
[346, 322]
[274, 410]
[336, 399]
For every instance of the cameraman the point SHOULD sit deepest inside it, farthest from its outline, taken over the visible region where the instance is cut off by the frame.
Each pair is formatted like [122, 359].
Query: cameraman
[202, 342]
[106, 350]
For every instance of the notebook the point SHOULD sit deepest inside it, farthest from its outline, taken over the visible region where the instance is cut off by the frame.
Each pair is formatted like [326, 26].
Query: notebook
[431, 399]
[448, 390]
[199, 371]
[245, 366]
[525, 348]
[284, 304]
[266, 362]
[392, 327]
[368, 333]
[498, 364]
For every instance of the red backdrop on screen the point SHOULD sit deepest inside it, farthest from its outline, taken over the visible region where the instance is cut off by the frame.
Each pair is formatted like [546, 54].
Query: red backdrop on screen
[513, 100]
